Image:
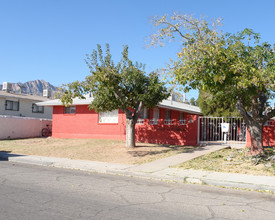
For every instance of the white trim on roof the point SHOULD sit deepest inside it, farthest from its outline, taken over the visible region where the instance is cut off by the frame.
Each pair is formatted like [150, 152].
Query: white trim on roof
[173, 105]
[57, 102]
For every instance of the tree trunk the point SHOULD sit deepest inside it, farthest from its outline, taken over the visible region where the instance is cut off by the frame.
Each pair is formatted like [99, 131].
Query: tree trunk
[256, 135]
[255, 127]
[130, 133]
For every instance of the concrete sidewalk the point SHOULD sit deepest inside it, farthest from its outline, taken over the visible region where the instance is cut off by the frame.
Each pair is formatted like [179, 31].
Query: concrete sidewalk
[161, 173]
[167, 162]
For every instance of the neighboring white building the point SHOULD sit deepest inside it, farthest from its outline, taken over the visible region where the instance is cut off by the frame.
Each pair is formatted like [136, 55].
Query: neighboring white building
[23, 105]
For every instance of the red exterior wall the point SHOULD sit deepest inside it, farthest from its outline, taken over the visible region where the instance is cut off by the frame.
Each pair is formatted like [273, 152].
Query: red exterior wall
[84, 124]
[168, 134]
[268, 134]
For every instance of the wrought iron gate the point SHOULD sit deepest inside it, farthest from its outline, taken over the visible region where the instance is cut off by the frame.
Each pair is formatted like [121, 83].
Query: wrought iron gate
[211, 130]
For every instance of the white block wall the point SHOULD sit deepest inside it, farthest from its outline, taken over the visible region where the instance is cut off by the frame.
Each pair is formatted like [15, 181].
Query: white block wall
[12, 127]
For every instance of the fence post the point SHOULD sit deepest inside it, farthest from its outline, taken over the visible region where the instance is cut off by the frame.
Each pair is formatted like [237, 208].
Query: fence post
[40, 132]
[198, 131]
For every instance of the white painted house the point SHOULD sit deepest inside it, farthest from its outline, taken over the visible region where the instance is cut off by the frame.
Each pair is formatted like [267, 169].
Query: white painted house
[23, 105]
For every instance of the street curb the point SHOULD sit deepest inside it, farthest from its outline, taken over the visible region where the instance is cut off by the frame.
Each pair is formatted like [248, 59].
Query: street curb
[202, 181]
[225, 180]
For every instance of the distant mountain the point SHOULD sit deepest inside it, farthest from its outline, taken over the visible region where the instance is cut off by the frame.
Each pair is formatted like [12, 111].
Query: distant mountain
[33, 87]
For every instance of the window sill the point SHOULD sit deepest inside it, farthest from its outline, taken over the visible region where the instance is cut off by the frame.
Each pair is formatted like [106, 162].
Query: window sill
[168, 122]
[107, 123]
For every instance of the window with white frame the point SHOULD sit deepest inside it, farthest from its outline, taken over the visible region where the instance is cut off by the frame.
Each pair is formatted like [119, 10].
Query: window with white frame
[37, 109]
[143, 115]
[69, 110]
[12, 105]
[155, 119]
[108, 117]
[182, 121]
[168, 120]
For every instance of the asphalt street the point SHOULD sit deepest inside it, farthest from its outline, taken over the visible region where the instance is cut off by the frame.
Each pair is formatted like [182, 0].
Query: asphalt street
[36, 192]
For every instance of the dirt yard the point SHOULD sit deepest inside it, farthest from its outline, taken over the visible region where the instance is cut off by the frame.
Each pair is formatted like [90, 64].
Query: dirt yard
[234, 161]
[112, 151]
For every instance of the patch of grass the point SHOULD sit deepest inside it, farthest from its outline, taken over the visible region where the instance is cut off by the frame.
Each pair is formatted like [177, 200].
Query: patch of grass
[113, 151]
[234, 161]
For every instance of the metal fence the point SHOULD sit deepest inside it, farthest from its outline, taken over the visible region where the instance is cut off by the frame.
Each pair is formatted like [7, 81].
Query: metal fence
[221, 130]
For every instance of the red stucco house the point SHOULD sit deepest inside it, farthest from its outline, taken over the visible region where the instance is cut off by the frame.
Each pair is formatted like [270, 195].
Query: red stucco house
[170, 122]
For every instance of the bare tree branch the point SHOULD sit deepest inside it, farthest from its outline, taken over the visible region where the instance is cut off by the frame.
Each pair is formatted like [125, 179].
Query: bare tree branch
[242, 111]
[137, 110]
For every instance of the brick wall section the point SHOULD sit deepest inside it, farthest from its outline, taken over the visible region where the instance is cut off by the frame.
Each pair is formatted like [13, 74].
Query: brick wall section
[84, 124]
[268, 135]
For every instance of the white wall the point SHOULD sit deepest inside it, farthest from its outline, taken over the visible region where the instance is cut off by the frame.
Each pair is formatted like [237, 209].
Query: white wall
[12, 127]
[25, 109]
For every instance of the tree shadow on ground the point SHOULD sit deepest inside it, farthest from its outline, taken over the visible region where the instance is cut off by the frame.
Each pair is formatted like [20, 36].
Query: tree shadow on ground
[5, 155]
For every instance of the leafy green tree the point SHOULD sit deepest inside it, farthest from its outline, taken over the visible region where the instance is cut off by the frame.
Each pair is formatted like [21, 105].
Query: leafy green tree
[235, 65]
[193, 101]
[122, 86]
[178, 97]
[216, 105]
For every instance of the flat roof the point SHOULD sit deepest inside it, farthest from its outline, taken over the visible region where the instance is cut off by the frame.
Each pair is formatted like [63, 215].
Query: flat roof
[173, 105]
[5, 94]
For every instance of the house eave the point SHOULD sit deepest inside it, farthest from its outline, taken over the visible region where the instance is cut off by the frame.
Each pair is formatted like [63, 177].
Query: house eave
[57, 102]
[180, 109]
[173, 105]
[23, 97]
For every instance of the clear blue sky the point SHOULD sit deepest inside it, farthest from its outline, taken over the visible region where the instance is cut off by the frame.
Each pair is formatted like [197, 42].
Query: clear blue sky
[48, 39]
